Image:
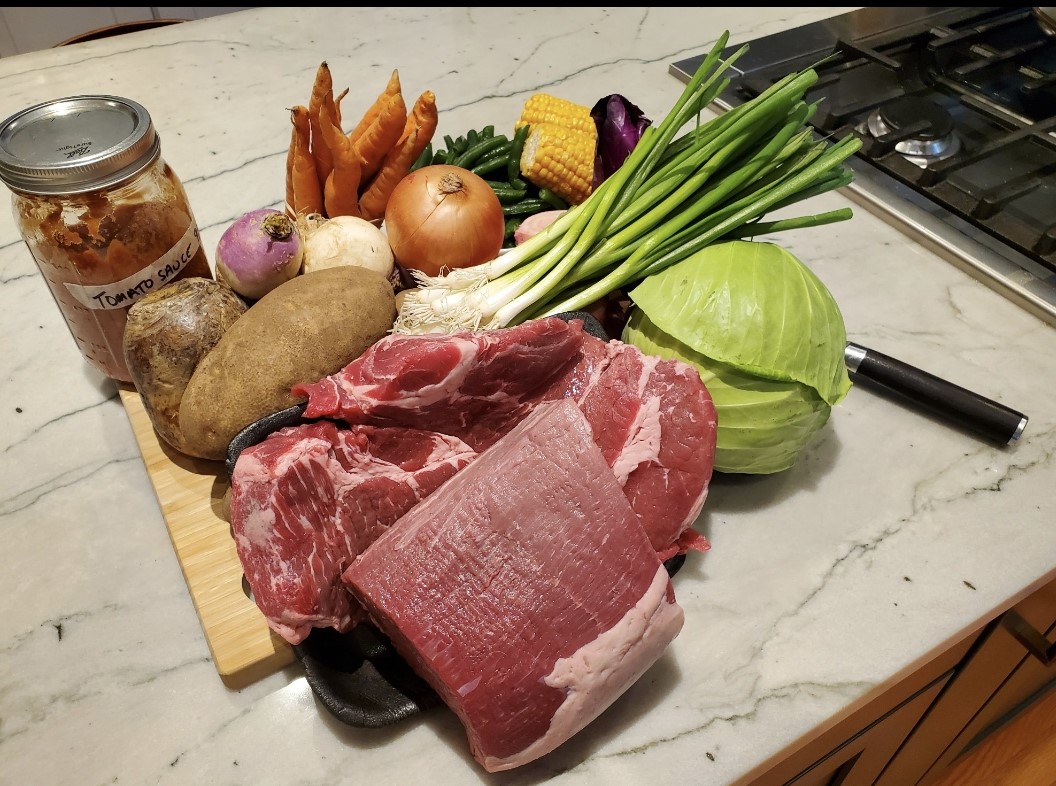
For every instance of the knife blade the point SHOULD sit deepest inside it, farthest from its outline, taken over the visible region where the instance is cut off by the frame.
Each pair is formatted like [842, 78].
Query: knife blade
[952, 402]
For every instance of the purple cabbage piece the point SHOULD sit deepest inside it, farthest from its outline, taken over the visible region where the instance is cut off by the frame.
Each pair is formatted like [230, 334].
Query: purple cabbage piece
[620, 125]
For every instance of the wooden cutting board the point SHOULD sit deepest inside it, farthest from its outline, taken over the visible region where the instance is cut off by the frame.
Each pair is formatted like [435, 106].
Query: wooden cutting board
[191, 493]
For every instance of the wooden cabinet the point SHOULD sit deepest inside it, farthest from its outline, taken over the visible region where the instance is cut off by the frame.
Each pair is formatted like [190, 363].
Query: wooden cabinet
[864, 737]
[1004, 669]
[911, 732]
[859, 760]
[1029, 680]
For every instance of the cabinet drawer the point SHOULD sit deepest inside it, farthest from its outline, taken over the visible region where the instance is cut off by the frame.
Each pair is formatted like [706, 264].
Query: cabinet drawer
[951, 724]
[1030, 678]
[832, 738]
[858, 761]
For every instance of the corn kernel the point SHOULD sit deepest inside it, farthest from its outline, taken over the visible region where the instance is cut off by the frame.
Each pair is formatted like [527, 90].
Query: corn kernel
[545, 108]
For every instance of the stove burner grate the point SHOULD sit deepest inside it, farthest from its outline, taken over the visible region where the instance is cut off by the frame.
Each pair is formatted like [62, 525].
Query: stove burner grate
[985, 192]
[914, 127]
[945, 108]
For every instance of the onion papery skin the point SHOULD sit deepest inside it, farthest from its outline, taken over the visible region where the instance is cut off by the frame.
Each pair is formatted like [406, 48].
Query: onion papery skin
[442, 217]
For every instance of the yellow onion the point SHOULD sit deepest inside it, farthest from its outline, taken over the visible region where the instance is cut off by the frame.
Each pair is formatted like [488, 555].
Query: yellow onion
[442, 217]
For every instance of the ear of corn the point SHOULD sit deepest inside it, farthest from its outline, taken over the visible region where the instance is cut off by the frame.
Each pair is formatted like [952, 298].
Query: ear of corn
[559, 151]
[545, 108]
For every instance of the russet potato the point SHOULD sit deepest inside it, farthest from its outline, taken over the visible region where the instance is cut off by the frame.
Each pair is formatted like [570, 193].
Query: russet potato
[305, 329]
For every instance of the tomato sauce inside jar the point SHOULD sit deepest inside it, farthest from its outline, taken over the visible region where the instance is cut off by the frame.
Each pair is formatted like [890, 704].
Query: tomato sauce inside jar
[105, 218]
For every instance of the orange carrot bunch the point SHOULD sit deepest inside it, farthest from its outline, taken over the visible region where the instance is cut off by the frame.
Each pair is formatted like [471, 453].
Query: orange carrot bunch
[335, 173]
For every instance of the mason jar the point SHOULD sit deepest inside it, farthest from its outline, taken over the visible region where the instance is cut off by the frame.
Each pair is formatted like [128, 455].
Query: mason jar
[104, 217]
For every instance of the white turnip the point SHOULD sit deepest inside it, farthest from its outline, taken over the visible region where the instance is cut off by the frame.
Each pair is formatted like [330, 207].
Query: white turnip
[345, 240]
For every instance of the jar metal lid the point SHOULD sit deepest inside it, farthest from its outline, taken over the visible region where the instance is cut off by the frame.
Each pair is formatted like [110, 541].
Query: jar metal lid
[76, 144]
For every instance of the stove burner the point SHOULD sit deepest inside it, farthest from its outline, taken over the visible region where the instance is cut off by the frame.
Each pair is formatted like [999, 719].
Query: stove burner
[980, 191]
[907, 112]
[921, 130]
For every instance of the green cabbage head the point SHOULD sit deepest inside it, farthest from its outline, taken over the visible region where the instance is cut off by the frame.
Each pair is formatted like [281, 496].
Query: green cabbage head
[766, 336]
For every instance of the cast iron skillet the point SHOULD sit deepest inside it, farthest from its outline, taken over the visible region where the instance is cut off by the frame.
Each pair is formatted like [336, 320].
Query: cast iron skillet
[358, 676]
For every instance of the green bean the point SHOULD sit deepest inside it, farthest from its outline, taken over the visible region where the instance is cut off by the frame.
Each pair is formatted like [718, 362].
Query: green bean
[482, 150]
[511, 226]
[489, 165]
[525, 207]
[513, 167]
[509, 196]
[425, 158]
[556, 202]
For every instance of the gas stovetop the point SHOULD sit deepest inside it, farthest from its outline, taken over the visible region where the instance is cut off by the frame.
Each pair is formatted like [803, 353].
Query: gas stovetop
[956, 108]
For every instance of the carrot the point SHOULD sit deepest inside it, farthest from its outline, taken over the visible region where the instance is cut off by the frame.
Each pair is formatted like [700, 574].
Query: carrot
[339, 194]
[341, 190]
[331, 134]
[392, 88]
[337, 107]
[423, 119]
[291, 157]
[307, 192]
[384, 132]
[322, 92]
[393, 169]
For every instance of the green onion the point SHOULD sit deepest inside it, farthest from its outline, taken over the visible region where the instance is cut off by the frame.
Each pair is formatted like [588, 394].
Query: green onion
[673, 196]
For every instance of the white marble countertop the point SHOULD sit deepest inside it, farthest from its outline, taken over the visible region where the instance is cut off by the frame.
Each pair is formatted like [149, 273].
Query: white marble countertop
[892, 534]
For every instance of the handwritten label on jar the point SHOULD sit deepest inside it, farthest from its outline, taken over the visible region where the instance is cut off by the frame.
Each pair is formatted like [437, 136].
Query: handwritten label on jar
[122, 294]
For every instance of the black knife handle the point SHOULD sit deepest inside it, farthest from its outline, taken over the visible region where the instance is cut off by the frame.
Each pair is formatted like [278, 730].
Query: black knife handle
[970, 410]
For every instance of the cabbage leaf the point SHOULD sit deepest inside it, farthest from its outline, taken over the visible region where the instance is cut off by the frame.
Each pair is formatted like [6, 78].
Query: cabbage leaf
[756, 307]
[763, 424]
[767, 338]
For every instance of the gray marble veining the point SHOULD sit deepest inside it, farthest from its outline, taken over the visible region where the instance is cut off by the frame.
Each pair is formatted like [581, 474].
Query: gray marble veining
[891, 535]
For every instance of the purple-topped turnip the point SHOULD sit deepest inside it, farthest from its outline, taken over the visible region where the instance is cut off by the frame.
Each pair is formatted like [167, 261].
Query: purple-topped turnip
[259, 251]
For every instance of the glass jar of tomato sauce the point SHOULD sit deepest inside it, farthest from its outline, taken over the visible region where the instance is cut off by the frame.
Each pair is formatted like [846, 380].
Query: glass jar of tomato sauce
[105, 218]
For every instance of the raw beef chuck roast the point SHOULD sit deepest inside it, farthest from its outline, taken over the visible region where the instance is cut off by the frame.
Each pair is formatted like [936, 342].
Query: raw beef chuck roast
[654, 419]
[308, 499]
[524, 589]
[655, 423]
[470, 385]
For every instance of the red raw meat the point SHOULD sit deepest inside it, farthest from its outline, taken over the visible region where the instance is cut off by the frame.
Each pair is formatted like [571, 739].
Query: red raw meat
[309, 498]
[524, 590]
[654, 419]
[655, 423]
[470, 385]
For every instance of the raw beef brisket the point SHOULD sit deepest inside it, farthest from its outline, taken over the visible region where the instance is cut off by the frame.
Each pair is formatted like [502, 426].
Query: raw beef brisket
[309, 498]
[524, 589]
[654, 419]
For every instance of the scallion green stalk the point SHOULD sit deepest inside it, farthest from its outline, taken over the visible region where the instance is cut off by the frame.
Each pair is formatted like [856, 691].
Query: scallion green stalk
[674, 195]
